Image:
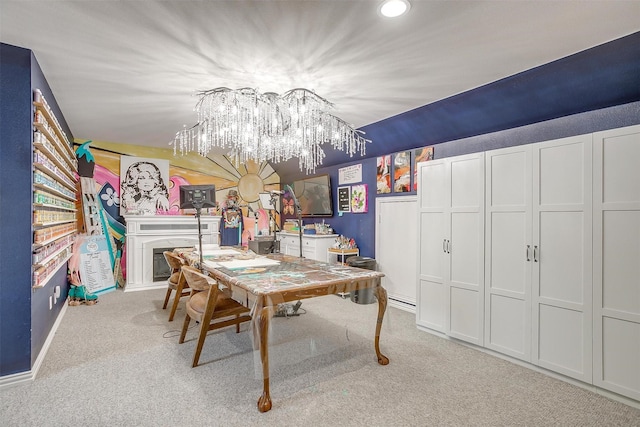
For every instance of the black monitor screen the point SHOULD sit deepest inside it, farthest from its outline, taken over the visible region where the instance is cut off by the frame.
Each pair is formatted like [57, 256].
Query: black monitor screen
[197, 196]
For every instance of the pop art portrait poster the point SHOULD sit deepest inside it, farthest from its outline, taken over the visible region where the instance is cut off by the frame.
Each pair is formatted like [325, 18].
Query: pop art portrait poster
[144, 186]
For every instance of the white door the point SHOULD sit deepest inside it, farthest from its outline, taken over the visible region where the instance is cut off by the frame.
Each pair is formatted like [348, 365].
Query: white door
[432, 244]
[508, 251]
[465, 249]
[396, 249]
[562, 254]
[616, 261]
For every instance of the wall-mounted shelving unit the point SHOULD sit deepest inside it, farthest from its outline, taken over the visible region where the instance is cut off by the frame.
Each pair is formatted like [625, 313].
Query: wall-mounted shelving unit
[54, 194]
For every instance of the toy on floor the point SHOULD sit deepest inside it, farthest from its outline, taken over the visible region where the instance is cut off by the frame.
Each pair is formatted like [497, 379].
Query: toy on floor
[78, 293]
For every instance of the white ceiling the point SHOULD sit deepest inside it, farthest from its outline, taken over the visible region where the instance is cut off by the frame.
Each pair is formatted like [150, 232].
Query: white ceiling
[126, 71]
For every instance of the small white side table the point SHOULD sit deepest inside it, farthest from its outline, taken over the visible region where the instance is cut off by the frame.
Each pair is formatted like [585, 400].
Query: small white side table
[340, 254]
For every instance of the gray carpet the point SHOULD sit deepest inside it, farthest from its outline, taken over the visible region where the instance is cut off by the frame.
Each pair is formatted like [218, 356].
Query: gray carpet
[119, 363]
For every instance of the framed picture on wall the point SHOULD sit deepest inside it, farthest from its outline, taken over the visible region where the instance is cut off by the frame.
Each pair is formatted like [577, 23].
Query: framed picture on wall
[402, 172]
[420, 155]
[359, 198]
[383, 175]
[144, 185]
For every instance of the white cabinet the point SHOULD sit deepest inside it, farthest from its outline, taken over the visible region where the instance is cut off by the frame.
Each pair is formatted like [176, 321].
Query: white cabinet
[396, 249]
[450, 291]
[561, 255]
[538, 252]
[616, 263]
[314, 246]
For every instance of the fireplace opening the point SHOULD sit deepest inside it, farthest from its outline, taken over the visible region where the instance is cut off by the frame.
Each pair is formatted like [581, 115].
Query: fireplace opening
[161, 270]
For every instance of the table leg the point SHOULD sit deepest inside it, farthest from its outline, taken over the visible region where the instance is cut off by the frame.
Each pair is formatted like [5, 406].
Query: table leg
[381, 295]
[264, 402]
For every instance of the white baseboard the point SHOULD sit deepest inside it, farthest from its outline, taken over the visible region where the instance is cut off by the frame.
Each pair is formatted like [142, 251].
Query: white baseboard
[7, 381]
[11, 380]
[131, 287]
[411, 308]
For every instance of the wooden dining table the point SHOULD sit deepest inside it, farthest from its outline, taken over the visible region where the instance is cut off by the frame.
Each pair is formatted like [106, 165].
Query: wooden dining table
[265, 282]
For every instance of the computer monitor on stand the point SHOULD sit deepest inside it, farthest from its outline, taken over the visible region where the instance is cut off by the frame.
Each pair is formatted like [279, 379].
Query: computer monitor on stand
[198, 197]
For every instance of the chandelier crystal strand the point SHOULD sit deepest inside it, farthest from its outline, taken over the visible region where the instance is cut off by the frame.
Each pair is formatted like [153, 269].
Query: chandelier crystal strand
[268, 127]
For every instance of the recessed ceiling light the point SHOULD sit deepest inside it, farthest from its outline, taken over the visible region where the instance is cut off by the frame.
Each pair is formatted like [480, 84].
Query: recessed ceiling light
[393, 8]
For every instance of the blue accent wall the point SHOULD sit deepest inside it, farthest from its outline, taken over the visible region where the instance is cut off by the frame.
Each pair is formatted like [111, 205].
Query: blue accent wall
[42, 319]
[15, 207]
[25, 317]
[359, 226]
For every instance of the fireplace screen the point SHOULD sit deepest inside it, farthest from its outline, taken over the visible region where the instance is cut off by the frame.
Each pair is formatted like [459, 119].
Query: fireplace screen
[161, 270]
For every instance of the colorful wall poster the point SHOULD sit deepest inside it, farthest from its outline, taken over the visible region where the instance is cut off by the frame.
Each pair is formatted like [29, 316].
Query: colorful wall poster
[402, 172]
[359, 202]
[383, 175]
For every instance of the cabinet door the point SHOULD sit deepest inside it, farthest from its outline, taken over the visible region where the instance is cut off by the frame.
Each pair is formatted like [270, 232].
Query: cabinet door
[451, 231]
[508, 251]
[292, 246]
[396, 248]
[464, 284]
[432, 235]
[319, 245]
[616, 261]
[309, 249]
[562, 245]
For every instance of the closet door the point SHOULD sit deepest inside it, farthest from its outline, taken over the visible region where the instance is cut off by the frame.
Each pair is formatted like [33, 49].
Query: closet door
[433, 201]
[465, 249]
[396, 249]
[562, 255]
[451, 230]
[616, 261]
[508, 251]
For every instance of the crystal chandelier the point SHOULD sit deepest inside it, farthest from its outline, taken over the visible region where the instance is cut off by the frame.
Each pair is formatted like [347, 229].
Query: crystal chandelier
[268, 127]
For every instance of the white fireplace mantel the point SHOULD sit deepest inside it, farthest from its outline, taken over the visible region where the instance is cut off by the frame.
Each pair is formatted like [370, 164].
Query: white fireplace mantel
[146, 233]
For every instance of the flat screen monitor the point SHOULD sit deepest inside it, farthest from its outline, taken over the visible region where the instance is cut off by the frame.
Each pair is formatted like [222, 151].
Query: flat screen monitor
[314, 195]
[197, 196]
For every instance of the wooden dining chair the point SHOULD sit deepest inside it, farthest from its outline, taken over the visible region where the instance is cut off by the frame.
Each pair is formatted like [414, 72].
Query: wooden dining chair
[175, 282]
[211, 306]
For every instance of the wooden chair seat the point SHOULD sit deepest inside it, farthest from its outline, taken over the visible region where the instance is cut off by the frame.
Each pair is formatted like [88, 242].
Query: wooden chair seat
[211, 306]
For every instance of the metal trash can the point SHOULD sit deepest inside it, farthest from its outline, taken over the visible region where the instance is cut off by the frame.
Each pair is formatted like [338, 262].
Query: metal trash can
[362, 296]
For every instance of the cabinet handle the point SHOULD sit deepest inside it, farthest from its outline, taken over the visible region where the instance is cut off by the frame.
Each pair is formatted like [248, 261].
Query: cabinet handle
[528, 252]
[448, 246]
[444, 245]
[535, 253]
